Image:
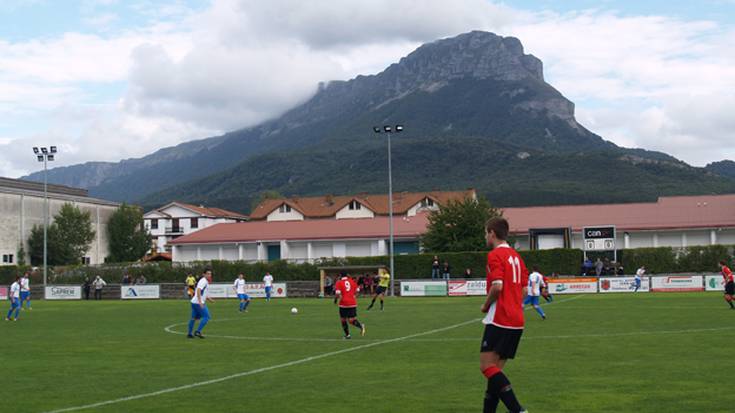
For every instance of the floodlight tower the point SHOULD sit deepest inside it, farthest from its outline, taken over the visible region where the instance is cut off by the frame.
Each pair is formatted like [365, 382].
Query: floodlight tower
[45, 155]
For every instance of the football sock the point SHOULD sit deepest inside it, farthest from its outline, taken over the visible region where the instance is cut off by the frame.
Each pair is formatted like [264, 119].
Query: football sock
[372, 304]
[9, 313]
[202, 324]
[17, 311]
[731, 304]
[191, 325]
[540, 311]
[499, 385]
[345, 327]
[381, 303]
[240, 305]
[245, 305]
[29, 303]
[490, 404]
[356, 323]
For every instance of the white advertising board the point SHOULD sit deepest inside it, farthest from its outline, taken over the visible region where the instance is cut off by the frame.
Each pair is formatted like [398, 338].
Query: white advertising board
[459, 288]
[572, 285]
[677, 283]
[63, 292]
[423, 288]
[623, 285]
[714, 283]
[253, 290]
[140, 292]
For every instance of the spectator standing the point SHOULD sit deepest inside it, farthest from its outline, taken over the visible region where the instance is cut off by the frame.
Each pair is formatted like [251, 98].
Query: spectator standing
[126, 280]
[468, 273]
[86, 287]
[446, 270]
[328, 285]
[621, 271]
[587, 267]
[435, 268]
[141, 280]
[599, 266]
[98, 284]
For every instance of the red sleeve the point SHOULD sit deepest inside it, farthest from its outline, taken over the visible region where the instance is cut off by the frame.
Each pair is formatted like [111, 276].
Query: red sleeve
[338, 287]
[495, 269]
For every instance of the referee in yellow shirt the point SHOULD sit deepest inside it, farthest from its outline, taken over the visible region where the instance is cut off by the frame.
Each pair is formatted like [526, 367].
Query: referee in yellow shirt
[383, 285]
[191, 282]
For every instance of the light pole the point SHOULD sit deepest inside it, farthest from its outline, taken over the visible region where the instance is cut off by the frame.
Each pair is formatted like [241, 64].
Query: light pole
[45, 155]
[387, 129]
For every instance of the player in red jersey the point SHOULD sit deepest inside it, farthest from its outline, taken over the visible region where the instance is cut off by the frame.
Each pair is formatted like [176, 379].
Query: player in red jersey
[729, 284]
[507, 286]
[545, 290]
[344, 292]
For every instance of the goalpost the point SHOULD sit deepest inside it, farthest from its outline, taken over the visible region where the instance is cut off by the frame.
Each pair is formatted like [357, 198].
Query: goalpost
[352, 270]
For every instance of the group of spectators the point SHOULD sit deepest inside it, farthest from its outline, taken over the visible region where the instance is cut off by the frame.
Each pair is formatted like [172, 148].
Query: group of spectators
[601, 268]
[128, 280]
[98, 284]
[439, 270]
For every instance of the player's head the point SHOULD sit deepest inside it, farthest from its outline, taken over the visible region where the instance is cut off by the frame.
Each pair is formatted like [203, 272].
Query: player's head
[241, 276]
[535, 268]
[496, 231]
[207, 274]
[342, 274]
[723, 264]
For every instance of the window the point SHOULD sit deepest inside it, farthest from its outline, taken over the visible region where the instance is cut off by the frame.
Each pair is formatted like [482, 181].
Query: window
[7, 258]
[195, 222]
[154, 224]
[86, 260]
[284, 209]
[427, 203]
[355, 206]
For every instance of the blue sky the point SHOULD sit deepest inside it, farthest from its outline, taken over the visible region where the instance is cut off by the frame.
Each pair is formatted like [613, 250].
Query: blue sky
[112, 79]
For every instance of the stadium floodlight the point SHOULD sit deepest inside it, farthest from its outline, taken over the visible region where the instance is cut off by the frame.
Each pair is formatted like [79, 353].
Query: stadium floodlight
[387, 128]
[50, 157]
[53, 149]
[35, 150]
[44, 150]
[376, 129]
[45, 155]
[40, 158]
[399, 128]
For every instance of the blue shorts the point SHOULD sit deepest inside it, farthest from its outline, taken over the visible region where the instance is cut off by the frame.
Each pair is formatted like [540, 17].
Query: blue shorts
[24, 295]
[531, 299]
[637, 283]
[197, 312]
[268, 290]
[243, 297]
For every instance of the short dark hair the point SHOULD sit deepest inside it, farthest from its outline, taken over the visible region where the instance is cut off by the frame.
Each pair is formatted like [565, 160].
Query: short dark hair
[535, 268]
[723, 263]
[499, 225]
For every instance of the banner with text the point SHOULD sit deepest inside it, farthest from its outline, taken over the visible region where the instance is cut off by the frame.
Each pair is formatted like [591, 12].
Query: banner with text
[3, 293]
[572, 285]
[65, 292]
[253, 290]
[676, 283]
[140, 292]
[423, 288]
[623, 285]
[459, 288]
[714, 283]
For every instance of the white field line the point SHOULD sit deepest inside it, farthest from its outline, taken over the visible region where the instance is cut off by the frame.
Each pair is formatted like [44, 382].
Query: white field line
[264, 369]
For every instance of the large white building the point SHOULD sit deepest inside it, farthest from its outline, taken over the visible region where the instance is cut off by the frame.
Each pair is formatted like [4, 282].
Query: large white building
[171, 221]
[22, 206]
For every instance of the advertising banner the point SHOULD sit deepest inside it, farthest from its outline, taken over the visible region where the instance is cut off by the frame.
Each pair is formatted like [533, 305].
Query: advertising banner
[423, 288]
[623, 285]
[459, 288]
[3, 293]
[63, 292]
[572, 285]
[714, 283]
[140, 292]
[677, 283]
[254, 290]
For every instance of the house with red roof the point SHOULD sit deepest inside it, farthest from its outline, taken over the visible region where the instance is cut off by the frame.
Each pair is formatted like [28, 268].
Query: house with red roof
[176, 219]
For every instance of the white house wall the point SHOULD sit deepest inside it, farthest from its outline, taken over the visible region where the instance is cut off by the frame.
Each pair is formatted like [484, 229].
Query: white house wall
[347, 213]
[277, 215]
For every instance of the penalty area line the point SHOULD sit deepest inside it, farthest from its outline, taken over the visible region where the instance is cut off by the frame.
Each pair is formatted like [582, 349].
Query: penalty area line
[260, 370]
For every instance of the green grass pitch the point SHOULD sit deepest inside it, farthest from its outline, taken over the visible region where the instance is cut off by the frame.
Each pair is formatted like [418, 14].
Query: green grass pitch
[596, 353]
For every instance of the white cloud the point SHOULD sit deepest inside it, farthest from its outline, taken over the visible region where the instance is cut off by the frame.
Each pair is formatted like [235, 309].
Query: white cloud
[651, 81]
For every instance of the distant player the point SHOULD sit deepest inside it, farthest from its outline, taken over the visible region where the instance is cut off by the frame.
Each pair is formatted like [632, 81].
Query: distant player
[242, 295]
[268, 281]
[638, 277]
[545, 290]
[507, 286]
[14, 296]
[25, 291]
[383, 285]
[535, 284]
[729, 284]
[199, 310]
[344, 293]
[191, 283]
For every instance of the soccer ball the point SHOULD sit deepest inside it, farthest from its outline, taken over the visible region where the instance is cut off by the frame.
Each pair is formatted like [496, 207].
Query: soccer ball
[294, 310]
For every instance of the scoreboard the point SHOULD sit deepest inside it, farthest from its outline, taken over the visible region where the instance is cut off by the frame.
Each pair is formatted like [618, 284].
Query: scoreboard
[600, 238]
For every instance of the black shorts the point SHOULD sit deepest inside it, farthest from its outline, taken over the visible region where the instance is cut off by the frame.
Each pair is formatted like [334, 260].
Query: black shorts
[503, 341]
[348, 312]
[730, 288]
[380, 290]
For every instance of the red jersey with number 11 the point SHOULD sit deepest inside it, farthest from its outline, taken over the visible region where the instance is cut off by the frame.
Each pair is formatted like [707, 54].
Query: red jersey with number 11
[505, 266]
[347, 288]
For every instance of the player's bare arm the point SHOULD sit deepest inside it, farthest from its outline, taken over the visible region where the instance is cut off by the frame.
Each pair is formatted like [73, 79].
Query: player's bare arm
[492, 296]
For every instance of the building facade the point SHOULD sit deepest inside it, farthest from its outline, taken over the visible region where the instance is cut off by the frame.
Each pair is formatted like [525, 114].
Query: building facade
[176, 219]
[22, 207]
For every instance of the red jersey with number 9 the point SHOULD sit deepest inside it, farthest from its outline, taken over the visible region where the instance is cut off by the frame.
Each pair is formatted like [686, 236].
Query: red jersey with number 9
[727, 274]
[347, 288]
[505, 266]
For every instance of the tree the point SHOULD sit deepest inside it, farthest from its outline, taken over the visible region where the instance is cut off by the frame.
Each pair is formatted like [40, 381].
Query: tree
[127, 238]
[459, 226]
[69, 237]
